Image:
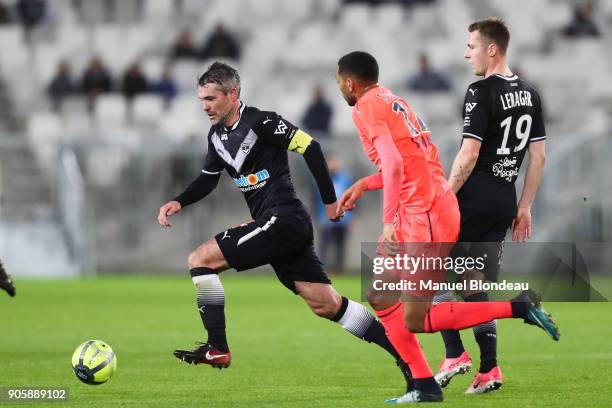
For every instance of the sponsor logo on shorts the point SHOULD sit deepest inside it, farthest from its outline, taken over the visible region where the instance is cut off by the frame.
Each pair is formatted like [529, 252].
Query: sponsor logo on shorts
[252, 181]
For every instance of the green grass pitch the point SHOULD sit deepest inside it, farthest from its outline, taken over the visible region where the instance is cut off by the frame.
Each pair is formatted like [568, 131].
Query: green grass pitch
[283, 356]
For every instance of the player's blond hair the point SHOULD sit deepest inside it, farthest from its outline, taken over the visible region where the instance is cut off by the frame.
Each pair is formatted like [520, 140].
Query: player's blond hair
[494, 30]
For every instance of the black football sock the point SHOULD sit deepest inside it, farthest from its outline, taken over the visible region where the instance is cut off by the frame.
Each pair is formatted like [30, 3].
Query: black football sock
[452, 338]
[452, 343]
[520, 306]
[486, 337]
[211, 305]
[426, 385]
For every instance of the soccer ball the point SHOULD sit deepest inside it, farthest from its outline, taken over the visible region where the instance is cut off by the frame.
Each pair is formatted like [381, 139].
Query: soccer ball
[94, 362]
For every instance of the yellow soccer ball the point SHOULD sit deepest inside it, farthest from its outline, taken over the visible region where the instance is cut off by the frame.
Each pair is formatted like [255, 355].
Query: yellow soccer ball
[94, 362]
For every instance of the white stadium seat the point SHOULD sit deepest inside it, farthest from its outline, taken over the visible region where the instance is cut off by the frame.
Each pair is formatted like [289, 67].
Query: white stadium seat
[45, 132]
[147, 109]
[110, 110]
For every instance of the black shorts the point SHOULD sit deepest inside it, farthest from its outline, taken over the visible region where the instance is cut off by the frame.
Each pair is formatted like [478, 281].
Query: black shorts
[283, 238]
[483, 235]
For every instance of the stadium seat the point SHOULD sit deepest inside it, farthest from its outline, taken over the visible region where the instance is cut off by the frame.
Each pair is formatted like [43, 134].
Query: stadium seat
[46, 58]
[111, 43]
[110, 110]
[158, 9]
[103, 163]
[45, 131]
[93, 11]
[126, 11]
[356, 17]
[62, 12]
[266, 46]
[326, 9]
[72, 39]
[14, 52]
[147, 110]
[389, 16]
[152, 67]
[184, 119]
[186, 74]
[310, 37]
[230, 13]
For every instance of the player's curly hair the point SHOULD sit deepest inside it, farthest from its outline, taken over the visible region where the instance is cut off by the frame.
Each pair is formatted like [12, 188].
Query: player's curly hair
[223, 75]
[494, 30]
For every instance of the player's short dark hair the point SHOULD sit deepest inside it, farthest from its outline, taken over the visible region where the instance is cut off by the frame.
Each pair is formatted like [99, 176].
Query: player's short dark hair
[359, 64]
[222, 75]
[494, 30]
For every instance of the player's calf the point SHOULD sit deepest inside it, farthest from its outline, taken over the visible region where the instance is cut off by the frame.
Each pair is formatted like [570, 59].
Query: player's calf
[322, 298]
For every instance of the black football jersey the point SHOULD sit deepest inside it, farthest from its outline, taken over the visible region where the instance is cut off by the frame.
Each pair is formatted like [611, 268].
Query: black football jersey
[254, 153]
[505, 114]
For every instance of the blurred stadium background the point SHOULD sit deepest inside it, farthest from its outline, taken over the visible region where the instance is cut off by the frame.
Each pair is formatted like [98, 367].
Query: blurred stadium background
[82, 178]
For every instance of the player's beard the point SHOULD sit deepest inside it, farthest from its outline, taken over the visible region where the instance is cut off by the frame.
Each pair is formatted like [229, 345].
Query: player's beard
[223, 119]
[350, 99]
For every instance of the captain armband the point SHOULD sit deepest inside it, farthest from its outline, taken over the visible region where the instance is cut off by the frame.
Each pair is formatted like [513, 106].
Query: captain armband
[299, 142]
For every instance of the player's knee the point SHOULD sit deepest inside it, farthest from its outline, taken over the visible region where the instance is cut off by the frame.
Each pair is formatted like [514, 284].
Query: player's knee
[196, 259]
[201, 258]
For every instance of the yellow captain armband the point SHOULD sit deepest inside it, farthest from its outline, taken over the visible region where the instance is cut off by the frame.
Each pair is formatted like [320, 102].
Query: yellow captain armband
[299, 142]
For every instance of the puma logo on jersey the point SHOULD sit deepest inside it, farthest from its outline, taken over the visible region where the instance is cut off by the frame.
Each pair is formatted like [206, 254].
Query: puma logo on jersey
[469, 106]
[473, 91]
[281, 128]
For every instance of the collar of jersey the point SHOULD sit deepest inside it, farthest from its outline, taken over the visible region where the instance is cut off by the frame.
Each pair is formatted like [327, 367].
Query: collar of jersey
[235, 125]
[510, 78]
[374, 88]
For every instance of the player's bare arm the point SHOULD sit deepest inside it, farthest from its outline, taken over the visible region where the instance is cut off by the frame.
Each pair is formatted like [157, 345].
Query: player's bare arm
[521, 227]
[464, 163]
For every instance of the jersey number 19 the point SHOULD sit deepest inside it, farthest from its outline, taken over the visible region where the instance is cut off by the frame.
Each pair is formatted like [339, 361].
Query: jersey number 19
[523, 129]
